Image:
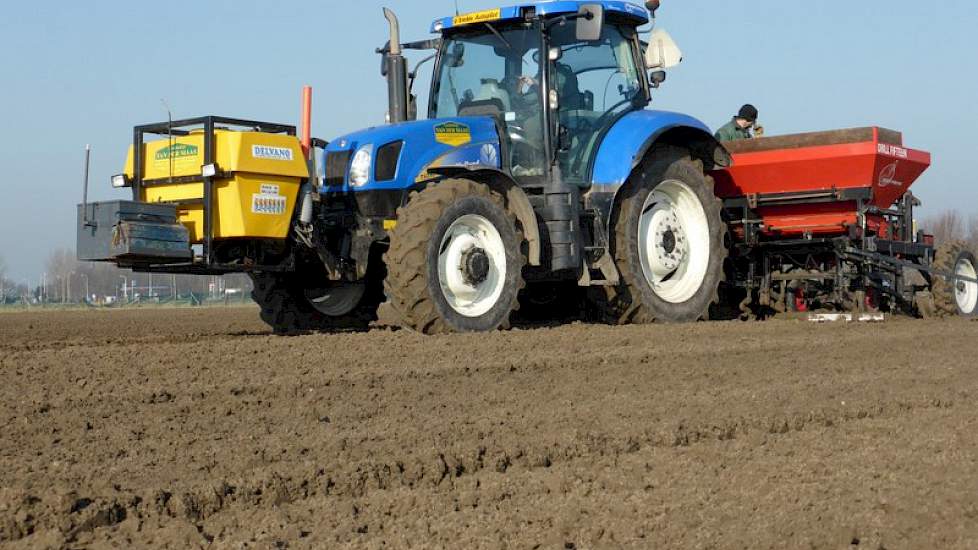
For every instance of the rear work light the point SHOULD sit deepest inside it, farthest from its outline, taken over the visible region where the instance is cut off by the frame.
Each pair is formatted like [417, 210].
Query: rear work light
[119, 181]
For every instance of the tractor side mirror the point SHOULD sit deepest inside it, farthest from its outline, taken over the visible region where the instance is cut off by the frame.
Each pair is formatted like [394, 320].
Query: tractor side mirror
[656, 78]
[383, 58]
[662, 52]
[590, 22]
[413, 107]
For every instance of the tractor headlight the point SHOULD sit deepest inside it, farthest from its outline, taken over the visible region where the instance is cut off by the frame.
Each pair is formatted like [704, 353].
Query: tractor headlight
[360, 167]
[119, 181]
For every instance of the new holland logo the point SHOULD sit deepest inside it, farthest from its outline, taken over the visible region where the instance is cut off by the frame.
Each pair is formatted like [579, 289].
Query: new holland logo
[453, 133]
[176, 151]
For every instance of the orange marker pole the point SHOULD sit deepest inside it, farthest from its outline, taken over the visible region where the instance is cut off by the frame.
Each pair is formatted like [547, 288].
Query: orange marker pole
[306, 135]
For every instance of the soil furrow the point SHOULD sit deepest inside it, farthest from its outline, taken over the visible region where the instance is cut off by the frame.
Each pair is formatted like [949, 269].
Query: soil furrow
[198, 429]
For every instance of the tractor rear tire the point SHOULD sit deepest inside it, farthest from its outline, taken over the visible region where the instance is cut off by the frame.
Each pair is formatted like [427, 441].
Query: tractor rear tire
[455, 262]
[669, 242]
[286, 306]
[952, 298]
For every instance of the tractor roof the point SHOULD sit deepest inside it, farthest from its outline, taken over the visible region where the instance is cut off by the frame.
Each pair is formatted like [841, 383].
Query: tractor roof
[550, 7]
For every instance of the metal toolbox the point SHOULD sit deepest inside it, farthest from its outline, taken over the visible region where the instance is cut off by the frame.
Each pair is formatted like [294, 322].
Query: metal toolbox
[131, 233]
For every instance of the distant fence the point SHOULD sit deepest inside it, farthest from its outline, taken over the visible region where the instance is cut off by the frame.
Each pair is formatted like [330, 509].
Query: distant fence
[186, 301]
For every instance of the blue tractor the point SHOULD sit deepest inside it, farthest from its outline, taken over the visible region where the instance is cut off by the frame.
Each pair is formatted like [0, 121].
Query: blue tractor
[539, 177]
[539, 169]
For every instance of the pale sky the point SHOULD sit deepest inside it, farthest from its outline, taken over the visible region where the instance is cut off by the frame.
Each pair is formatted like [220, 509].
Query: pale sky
[86, 72]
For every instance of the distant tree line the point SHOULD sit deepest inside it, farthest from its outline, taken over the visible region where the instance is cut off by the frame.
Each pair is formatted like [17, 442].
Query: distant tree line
[66, 280]
[951, 225]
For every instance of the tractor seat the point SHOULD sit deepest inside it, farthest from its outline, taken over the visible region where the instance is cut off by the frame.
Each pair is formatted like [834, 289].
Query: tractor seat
[482, 107]
[492, 100]
[492, 90]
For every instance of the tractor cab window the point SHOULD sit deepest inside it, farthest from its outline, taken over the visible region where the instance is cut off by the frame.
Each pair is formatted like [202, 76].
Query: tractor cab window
[495, 71]
[596, 82]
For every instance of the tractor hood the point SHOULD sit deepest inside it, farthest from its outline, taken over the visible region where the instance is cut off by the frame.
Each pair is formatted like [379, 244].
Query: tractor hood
[398, 155]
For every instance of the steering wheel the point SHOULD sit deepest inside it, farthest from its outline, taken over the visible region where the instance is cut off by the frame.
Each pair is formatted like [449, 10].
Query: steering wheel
[522, 148]
[603, 119]
[583, 125]
[597, 125]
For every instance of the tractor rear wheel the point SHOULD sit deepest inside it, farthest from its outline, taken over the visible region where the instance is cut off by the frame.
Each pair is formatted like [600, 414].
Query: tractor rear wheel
[455, 262]
[954, 298]
[294, 303]
[668, 241]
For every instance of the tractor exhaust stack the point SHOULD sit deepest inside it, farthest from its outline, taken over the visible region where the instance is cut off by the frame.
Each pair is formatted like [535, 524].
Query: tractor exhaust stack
[396, 70]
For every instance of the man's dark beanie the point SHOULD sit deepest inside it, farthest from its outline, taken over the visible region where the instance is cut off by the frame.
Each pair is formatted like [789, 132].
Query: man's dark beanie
[748, 112]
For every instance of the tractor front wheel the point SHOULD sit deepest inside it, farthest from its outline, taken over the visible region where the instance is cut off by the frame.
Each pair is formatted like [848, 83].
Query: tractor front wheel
[455, 262]
[294, 303]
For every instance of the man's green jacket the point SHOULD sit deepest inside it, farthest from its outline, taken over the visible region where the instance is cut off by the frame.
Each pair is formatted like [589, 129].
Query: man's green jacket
[732, 132]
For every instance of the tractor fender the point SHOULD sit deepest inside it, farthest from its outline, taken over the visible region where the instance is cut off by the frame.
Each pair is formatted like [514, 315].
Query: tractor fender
[627, 142]
[516, 200]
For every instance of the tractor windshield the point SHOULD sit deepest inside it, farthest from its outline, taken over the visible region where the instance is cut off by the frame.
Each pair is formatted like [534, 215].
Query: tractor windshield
[495, 71]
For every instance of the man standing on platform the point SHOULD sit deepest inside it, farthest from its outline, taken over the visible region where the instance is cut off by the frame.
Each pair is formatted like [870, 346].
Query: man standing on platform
[741, 125]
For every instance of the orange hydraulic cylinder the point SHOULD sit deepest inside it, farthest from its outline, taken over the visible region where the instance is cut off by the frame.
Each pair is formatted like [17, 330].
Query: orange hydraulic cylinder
[306, 135]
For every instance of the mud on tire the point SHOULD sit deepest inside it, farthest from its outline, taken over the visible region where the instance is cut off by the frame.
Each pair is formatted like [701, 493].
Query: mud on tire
[420, 288]
[635, 300]
[286, 308]
[953, 299]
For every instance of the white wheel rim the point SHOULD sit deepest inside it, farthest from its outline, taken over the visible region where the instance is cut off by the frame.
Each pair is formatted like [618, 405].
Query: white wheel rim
[674, 241]
[467, 235]
[966, 294]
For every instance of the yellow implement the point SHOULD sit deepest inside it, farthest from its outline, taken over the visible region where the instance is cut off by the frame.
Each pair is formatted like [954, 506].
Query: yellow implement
[254, 192]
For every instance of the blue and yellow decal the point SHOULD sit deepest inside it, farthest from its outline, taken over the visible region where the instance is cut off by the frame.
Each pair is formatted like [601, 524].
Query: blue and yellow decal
[453, 133]
[483, 16]
[472, 156]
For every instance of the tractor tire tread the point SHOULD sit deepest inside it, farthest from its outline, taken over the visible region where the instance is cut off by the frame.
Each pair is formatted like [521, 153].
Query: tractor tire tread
[624, 302]
[284, 307]
[406, 284]
[946, 259]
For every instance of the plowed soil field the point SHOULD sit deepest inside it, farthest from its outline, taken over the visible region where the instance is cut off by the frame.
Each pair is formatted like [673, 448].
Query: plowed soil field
[197, 428]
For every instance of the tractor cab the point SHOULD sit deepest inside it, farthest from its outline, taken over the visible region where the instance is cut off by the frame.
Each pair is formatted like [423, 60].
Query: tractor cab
[555, 76]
